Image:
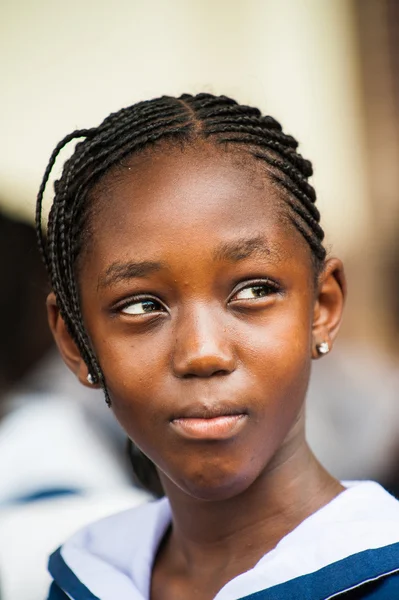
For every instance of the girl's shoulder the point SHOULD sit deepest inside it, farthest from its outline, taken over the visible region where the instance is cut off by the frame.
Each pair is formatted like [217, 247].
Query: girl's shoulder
[348, 549]
[114, 551]
[123, 528]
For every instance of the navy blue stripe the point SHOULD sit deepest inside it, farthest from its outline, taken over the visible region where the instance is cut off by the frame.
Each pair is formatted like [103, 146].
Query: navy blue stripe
[66, 579]
[385, 589]
[335, 578]
[37, 495]
[56, 594]
[45, 494]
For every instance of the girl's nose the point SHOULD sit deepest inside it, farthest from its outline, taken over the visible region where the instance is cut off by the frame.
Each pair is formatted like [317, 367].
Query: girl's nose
[203, 347]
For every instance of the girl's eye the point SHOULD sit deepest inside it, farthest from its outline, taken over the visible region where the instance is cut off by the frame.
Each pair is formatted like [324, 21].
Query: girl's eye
[142, 307]
[255, 291]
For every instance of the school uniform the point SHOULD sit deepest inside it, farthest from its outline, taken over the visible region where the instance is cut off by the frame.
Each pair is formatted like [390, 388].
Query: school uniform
[349, 549]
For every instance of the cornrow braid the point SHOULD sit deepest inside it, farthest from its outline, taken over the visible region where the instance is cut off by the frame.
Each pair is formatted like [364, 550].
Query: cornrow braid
[184, 120]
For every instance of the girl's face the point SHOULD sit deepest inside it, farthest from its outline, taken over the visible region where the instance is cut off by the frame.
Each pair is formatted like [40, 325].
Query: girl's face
[199, 300]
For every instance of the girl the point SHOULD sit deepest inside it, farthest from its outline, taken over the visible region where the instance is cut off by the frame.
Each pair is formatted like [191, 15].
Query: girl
[190, 282]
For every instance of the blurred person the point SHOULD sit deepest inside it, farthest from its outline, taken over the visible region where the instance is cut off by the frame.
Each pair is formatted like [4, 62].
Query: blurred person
[190, 284]
[392, 292]
[34, 420]
[353, 413]
[23, 323]
[57, 469]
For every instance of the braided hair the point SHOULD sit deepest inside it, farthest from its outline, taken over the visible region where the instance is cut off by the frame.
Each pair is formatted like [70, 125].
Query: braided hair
[184, 120]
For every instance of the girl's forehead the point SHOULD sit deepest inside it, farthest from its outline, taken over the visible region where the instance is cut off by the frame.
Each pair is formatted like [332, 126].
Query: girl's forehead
[185, 205]
[195, 183]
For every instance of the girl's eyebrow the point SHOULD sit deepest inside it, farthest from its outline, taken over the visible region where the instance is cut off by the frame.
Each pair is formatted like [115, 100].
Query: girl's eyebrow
[233, 251]
[243, 248]
[121, 271]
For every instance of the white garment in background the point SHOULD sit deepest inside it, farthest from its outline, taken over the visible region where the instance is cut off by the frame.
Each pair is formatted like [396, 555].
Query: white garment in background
[47, 444]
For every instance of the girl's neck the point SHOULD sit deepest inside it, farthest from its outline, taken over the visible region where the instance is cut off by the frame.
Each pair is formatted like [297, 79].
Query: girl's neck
[211, 536]
[211, 543]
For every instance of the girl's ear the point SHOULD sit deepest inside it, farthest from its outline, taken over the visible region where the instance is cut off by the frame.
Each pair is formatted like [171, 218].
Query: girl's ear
[66, 346]
[328, 307]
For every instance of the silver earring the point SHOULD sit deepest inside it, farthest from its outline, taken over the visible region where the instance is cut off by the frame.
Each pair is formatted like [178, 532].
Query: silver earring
[90, 379]
[323, 348]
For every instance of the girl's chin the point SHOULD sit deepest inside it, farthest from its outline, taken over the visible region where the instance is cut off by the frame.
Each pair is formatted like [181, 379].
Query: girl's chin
[216, 490]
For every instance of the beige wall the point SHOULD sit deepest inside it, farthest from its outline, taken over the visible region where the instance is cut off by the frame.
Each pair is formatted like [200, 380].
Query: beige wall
[67, 64]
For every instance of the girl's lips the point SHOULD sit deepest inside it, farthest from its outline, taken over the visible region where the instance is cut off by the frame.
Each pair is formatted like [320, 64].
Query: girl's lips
[216, 428]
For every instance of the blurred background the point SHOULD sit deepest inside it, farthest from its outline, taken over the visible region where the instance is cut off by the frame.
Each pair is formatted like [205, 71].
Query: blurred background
[329, 71]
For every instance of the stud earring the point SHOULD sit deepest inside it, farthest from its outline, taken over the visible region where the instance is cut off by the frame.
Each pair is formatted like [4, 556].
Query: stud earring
[90, 379]
[323, 348]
